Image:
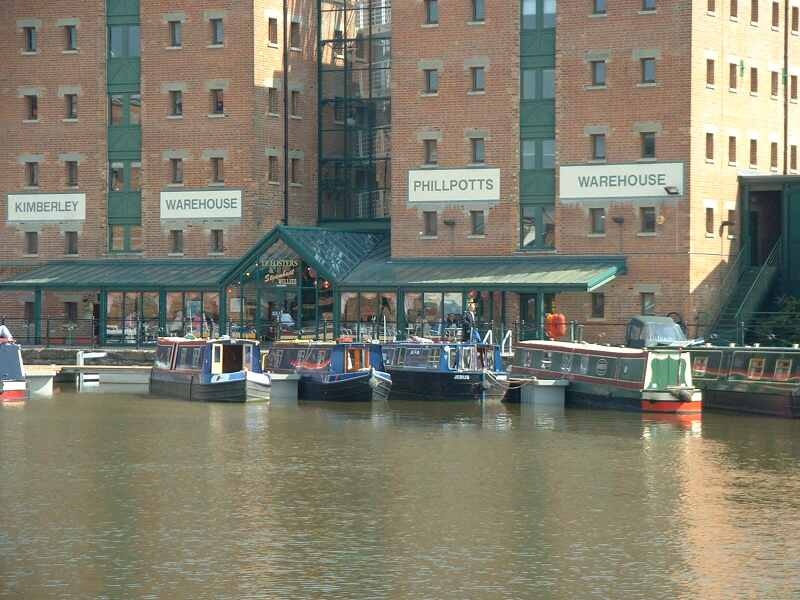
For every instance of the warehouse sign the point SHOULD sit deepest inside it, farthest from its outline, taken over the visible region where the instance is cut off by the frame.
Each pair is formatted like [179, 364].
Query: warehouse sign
[633, 180]
[46, 207]
[454, 185]
[201, 204]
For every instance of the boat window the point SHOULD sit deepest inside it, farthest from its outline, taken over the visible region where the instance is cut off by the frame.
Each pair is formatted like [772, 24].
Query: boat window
[318, 358]
[189, 357]
[489, 359]
[417, 356]
[632, 369]
[547, 359]
[584, 366]
[163, 357]
[468, 358]
[528, 360]
[433, 357]
[388, 356]
[275, 358]
[452, 358]
[699, 366]
[566, 362]
[217, 353]
[755, 368]
[232, 356]
[247, 358]
[783, 369]
[354, 359]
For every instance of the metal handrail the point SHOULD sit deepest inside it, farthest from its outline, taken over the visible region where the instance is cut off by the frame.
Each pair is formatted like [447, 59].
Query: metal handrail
[729, 281]
[773, 260]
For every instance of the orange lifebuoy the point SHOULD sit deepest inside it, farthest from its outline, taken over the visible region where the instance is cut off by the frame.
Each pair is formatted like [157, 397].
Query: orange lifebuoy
[555, 325]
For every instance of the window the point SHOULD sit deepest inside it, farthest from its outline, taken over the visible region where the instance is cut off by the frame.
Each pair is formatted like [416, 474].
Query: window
[732, 76]
[734, 8]
[217, 32]
[115, 115]
[754, 11]
[732, 149]
[709, 220]
[175, 34]
[648, 303]
[776, 14]
[478, 11]
[70, 37]
[648, 70]
[116, 176]
[217, 241]
[477, 221]
[548, 84]
[296, 174]
[753, 80]
[598, 306]
[598, 141]
[32, 174]
[430, 226]
[31, 242]
[647, 219]
[478, 150]
[709, 71]
[71, 242]
[648, 4]
[648, 144]
[135, 109]
[711, 6]
[217, 102]
[71, 167]
[32, 107]
[272, 97]
[431, 155]
[773, 155]
[272, 35]
[548, 154]
[294, 35]
[217, 170]
[598, 72]
[71, 311]
[71, 106]
[123, 41]
[549, 14]
[775, 84]
[30, 312]
[176, 103]
[529, 14]
[709, 146]
[431, 81]
[136, 177]
[273, 169]
[295, 104]
[431, 12]
[176, 165]
[528, 154]
[529, 84]
[30, 38]
[597, 220]
[731, 222]
[599, 7]
[125, 238]
[795, 19]
[793, 158]
[176, 241]
[793, 87]
[753, 152]
[478, 79]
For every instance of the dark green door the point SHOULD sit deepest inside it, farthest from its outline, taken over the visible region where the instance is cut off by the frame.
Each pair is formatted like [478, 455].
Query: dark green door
[791, 233]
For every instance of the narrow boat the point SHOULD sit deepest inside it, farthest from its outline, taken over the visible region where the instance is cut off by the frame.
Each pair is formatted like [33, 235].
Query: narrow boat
[749, 379]
[13, 385]
[221, 370]
[657, 379]
[445, 371]
[339, 372]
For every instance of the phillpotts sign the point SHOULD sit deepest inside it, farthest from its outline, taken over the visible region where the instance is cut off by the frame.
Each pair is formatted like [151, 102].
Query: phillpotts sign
[46, 207]
[633, 180]
[454, 185]
[201, 204]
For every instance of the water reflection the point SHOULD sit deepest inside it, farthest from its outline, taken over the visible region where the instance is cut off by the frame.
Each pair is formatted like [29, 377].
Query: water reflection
[133, 496]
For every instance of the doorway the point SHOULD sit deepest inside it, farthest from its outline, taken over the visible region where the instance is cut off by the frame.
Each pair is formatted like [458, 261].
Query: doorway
[764, 224]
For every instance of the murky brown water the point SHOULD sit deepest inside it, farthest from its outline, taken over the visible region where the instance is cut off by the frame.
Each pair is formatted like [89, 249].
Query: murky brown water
[124, 496]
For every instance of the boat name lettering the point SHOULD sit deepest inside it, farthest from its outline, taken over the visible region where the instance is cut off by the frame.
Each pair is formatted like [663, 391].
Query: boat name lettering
[461, 377]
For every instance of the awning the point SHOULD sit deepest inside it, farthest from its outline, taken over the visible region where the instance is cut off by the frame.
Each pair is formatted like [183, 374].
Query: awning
[517, 273]
[134, 274]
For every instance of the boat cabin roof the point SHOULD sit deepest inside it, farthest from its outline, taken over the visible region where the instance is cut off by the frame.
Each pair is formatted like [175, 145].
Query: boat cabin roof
[550, 345]
[168, 341]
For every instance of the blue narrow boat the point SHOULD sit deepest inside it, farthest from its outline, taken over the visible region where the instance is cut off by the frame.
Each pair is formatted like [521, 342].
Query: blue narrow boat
[222, 370]
[334, 372]
[446, 371]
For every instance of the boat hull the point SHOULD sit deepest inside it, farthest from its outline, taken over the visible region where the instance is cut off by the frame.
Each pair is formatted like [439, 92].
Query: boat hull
[13, 391]
[780, 403]
[361, 387]
[605, 396]
[188, 386]
[408, 384]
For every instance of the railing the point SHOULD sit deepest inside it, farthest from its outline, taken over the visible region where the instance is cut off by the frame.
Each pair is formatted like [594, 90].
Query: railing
[726, 287]
[54, 331]
[760, 287]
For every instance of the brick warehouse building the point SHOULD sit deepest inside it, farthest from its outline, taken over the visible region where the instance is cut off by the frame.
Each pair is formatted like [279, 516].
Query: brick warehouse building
[523, 154]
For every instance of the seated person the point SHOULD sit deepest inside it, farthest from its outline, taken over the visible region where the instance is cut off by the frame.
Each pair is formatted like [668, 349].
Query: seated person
[5, 333]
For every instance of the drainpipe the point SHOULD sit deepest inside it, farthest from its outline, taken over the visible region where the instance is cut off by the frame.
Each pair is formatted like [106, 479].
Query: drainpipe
[786, 80]
[285, 112]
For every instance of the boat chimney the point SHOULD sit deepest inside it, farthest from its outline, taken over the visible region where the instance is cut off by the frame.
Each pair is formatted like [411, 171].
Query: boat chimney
[757, 345]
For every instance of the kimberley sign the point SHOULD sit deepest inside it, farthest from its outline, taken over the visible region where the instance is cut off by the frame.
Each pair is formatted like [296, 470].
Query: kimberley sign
[632, 180]
[201, 204]
[46, 207]
[454, 185]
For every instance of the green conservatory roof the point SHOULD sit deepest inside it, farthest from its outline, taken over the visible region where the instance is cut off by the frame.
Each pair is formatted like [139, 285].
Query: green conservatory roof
[516, 273]
[135, 274]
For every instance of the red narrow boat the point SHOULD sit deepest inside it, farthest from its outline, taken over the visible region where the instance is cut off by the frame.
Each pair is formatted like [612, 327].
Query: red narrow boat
[13, 386]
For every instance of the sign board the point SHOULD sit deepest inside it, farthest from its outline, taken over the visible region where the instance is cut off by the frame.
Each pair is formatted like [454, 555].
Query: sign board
[47, 207]
[454, 185]
[201, 204]
[632, 180]
[281, 272]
